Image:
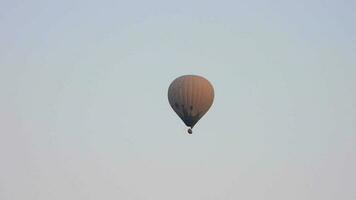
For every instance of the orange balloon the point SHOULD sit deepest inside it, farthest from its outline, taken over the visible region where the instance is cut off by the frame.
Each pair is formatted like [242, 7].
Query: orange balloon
[190, 96]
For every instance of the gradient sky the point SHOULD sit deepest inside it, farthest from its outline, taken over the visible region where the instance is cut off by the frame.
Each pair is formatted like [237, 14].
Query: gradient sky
[84, 113]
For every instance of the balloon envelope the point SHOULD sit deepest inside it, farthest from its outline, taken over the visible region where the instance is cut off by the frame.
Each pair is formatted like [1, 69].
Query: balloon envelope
[190, 96]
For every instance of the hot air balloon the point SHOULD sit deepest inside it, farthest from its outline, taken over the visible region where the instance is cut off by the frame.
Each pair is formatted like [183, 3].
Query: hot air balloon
[190, 96]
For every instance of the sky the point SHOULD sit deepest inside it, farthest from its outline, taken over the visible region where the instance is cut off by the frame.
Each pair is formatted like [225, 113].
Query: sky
[84, 112]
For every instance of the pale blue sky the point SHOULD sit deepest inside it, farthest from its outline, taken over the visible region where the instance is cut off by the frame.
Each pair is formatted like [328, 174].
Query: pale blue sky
[84, 111]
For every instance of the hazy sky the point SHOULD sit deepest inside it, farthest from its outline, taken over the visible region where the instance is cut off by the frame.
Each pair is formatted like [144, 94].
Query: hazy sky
[84, 113]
